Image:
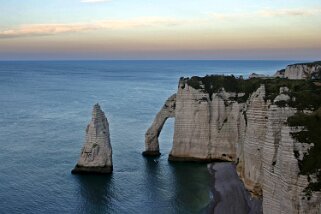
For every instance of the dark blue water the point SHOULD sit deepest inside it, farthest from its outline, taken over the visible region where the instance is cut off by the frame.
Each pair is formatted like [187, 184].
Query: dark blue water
[44, 110]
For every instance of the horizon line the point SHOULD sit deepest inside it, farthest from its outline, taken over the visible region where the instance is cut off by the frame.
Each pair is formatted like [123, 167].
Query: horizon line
[44, 60]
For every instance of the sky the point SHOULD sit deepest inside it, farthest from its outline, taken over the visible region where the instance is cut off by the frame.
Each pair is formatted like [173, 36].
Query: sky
[160, 29]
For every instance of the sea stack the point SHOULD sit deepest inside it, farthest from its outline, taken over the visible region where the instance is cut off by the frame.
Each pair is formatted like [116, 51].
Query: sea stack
[96, 154]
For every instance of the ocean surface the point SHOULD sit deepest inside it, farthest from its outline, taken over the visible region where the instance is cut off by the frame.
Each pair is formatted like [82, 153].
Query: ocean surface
[45, 108]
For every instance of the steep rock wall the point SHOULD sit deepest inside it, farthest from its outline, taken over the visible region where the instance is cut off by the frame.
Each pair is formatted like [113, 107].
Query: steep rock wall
[300, 71]
[283, 186]
[251, 161]
[254, 135]
[206, 128]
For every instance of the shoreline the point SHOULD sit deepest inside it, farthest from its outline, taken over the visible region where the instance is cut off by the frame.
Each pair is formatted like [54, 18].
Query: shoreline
[229, 193]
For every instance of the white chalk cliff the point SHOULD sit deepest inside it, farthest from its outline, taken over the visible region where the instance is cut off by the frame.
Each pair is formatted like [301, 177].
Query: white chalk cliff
[206, 128]
[96, 154]
[300, 71]
[253, 134]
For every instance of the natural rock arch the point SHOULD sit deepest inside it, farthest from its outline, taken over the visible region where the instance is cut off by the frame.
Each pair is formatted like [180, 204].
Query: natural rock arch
[152, 134]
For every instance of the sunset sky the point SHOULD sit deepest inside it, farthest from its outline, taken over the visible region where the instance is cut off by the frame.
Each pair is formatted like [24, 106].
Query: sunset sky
[160, 29]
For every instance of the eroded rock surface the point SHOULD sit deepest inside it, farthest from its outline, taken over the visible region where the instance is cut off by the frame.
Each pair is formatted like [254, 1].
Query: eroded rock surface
[300, 71]
[206, 128]
[251, 132]
[96, 154]
[251, 159]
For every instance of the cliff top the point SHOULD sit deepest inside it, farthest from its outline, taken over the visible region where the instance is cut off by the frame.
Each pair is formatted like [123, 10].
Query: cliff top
[305, 94]
[308, 63]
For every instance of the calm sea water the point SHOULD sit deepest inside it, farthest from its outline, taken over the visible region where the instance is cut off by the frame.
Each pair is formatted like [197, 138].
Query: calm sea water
[44, 110]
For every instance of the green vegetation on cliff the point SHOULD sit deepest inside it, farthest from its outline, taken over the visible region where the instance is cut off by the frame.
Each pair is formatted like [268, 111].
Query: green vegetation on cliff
[309, 63]
[311, 134]
[213, 83]
[304, 94]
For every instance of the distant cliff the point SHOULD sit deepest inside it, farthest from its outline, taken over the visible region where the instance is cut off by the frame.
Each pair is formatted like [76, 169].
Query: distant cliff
[268, 127]
[310, 70]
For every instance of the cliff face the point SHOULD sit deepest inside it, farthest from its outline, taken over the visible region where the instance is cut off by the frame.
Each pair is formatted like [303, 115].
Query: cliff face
[206, 128]
[250, 163]
[252, 132]
[96, 154]
[300, 71]
[283, 186]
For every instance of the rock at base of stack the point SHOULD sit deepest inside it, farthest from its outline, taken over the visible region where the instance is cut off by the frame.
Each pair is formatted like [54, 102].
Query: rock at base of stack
[96, 154]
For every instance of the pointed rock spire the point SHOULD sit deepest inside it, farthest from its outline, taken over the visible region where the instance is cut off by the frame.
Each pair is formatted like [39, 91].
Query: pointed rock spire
[96, 154]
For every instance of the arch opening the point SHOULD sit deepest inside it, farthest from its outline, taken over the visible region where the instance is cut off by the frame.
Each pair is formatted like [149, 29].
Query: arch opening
[153, 133]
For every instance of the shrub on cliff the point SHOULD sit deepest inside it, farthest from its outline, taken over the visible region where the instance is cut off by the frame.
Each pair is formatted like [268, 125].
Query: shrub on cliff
[311, 162]
[304, 94]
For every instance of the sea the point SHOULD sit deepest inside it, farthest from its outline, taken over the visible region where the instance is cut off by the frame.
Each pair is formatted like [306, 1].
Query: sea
[45, 107]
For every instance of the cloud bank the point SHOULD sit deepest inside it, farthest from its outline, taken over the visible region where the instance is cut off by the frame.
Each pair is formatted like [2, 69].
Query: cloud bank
[54, 29]
[154, 22]
[290, 12]
[269, 13]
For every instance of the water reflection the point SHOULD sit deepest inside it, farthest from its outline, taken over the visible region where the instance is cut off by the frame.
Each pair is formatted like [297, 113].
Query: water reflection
[157, 186]
[95, 193]
[180, 188]
[152, 167]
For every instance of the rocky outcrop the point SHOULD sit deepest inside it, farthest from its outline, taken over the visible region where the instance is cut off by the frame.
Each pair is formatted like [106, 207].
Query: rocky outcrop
[301, 71]
[152, 134]
[283, 96]
[96, 154]
[254, 75]
[279, 73]
[250, 130]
